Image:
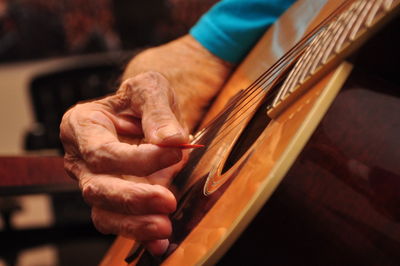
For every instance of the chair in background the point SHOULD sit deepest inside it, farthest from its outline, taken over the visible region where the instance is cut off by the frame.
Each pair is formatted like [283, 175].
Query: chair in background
[54, 92]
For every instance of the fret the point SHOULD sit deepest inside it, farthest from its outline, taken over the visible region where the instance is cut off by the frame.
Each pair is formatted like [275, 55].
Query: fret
[303, 50]
[331, 46]
[302, 65]
[360, 20]
[314, 51]
[296, 69]
[318, 58]
[372, 15]
[348, 23]
[337, 40]
[318, 52]
[387, 5]
[346, 19]
[326, 41]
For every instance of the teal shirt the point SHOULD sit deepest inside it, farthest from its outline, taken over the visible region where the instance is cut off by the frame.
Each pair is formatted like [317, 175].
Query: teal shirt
[232, 27]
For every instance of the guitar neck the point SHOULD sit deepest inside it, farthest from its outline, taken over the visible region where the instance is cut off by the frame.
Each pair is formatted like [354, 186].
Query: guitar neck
[336, 41]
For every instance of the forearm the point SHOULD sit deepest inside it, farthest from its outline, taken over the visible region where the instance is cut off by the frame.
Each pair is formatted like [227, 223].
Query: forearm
[195, 75]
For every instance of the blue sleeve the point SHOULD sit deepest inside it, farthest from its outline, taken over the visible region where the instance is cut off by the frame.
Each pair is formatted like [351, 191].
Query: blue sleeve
[231, 27]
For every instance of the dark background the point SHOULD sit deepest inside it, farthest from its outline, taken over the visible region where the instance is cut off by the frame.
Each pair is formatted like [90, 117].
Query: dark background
[33, 29]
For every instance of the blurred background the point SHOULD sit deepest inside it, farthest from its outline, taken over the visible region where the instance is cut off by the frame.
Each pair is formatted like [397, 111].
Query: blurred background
[54, 53]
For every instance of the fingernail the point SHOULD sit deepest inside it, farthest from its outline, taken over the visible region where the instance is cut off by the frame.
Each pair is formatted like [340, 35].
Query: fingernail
[158, 247]
[167, 133]
[163, 204]
[163, 246]
[152, 227]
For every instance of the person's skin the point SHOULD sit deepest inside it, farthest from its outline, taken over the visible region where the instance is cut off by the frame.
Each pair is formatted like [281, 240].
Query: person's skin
[110, 143]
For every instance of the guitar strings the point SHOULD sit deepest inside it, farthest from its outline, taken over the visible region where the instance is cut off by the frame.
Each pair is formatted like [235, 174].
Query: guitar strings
[253, 95]
[260, 85]
[252, 88]
[249, 92]
[255, 91]
[242, 113]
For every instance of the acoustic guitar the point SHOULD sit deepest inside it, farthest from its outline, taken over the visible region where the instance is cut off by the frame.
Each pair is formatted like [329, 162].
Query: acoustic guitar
[301, 164]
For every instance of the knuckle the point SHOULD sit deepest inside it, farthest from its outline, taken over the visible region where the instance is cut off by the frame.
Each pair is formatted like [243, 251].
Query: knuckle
[90, 192]
[150, 89]
[129, 229]
[65, 127]
[132, 202]
[93, 160]
[153, 75]
[141, 230]
[95, 157]
[98, 223]
[128, 204]
[152, 80]
[71, 167]
[126, 86]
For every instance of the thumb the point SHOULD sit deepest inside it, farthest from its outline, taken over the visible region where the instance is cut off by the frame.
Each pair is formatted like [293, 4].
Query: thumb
[154, 101]
[161, 126]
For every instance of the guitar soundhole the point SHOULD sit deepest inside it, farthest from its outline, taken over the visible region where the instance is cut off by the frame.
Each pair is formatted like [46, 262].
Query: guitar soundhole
[250, 134]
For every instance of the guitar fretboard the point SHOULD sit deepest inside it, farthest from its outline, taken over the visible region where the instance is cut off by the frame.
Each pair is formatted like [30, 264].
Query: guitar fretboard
[336, 41]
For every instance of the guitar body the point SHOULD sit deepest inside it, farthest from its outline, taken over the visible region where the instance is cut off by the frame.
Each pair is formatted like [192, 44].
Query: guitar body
[339, 204]
[332, 156]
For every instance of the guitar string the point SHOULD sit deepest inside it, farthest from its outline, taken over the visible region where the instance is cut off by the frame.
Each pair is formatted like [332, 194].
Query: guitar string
[247, 93]
[251, 113]
[318, 28]
[216, 121]
[289, 56]
[259, 84]
[222, 136]
[243, 112]
[225, 131]
[254, 87]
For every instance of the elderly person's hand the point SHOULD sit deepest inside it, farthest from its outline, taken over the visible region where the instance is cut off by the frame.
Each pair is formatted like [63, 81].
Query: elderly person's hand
[103, 147]
[111, 144]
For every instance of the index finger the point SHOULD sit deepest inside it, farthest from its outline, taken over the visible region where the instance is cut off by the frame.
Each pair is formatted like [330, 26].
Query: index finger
[104, 153]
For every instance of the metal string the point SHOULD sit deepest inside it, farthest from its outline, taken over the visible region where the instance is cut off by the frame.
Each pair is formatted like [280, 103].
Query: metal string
[260, 87]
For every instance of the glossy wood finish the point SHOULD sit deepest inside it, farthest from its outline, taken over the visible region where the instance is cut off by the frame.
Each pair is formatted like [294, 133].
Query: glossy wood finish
[276, 42]
[207, 225]
[339, 203]
[284, 34]
[284, 234]
[261, 58]
[258, 176]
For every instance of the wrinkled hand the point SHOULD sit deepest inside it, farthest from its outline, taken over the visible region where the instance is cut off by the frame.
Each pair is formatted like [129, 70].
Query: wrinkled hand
[110, 149]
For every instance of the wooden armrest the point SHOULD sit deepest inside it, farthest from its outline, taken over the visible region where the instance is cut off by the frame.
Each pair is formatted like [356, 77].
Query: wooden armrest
[26, 175]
